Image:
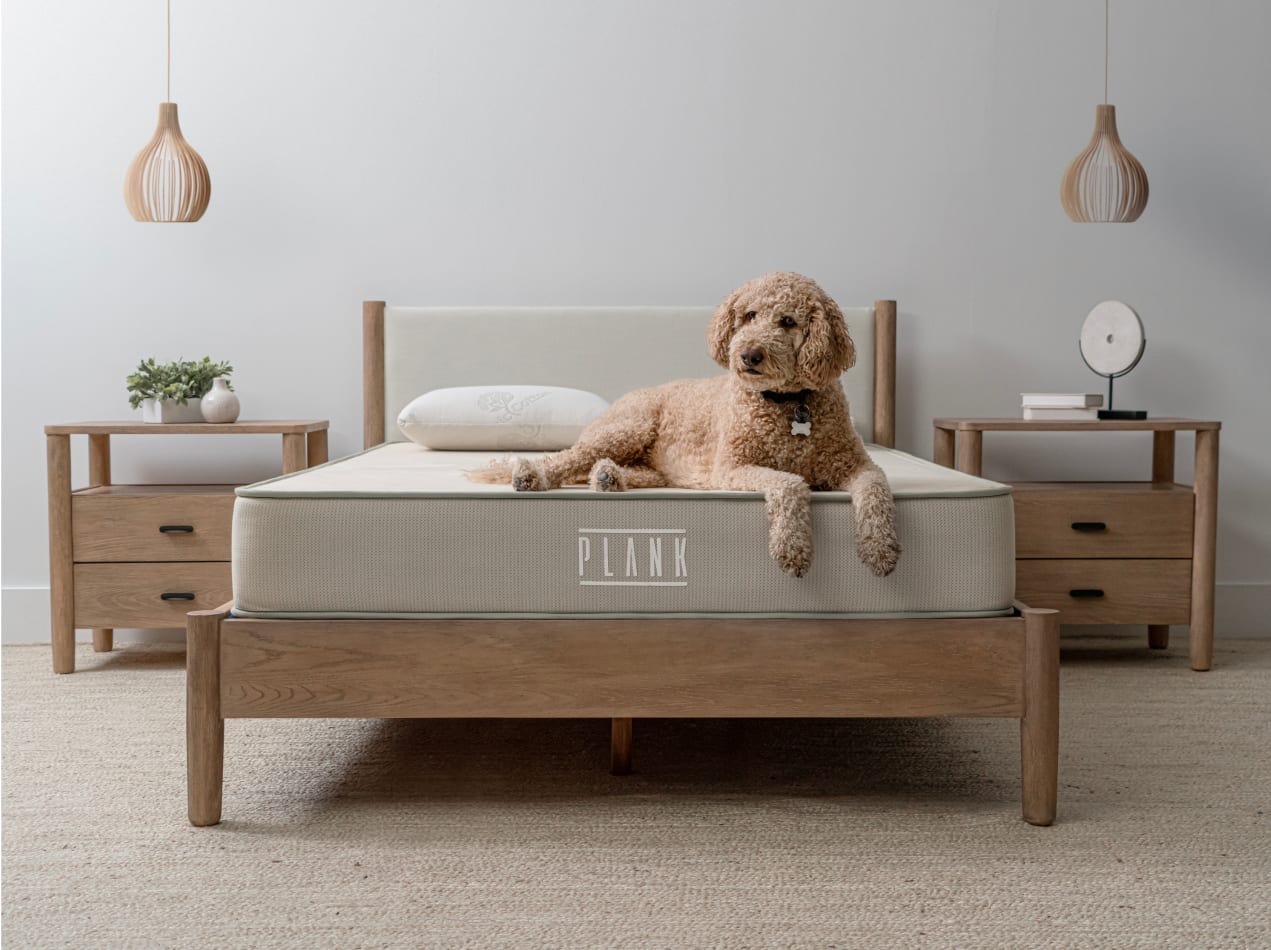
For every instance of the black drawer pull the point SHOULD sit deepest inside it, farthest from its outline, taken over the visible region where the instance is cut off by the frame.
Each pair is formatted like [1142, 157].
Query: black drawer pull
[176, 596]
[1085, 592]
[176, 529]
[1089, 526]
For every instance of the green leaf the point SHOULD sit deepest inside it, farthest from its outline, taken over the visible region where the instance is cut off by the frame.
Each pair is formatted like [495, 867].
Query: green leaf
[179, 381]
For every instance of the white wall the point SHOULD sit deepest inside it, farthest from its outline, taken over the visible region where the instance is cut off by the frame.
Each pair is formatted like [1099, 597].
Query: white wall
[624, 153]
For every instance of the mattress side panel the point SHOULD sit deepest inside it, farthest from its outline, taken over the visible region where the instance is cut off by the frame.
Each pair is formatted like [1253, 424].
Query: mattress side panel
[574, 554]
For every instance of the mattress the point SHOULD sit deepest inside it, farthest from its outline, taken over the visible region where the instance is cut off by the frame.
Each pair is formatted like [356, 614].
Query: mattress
[397, 531]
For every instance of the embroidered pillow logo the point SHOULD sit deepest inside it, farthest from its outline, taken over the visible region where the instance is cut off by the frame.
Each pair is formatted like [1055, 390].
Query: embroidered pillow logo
[506, 409]
[504, 406]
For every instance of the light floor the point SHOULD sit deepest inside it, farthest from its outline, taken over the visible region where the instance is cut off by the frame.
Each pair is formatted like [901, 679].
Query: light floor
[797, 833]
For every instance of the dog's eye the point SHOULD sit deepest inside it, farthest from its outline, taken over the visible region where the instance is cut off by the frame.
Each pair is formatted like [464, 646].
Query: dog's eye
[748, 315]
[788, 322]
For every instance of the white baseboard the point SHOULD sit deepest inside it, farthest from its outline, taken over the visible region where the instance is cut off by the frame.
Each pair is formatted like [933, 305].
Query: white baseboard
[1241, 610]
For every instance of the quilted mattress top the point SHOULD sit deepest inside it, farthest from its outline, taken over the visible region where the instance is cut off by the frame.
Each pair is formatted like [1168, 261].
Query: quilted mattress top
[407, 470]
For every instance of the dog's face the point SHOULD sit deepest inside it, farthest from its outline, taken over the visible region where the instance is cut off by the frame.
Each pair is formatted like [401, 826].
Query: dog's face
[781, 332]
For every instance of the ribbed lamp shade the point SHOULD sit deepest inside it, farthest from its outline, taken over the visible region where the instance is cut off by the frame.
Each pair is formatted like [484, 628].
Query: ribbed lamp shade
[1105, 183]
[167, 181]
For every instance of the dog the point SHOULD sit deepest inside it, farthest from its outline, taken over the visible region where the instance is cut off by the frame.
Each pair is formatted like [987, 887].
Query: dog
[778, 423]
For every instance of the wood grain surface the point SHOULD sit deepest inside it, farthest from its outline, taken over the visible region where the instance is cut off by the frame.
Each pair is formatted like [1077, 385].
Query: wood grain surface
[372, 373]
[1142, 520]
[885, 372]
[1012, 424]
[622, 668]
[124, 526]
[1150, 590]
[1204, 551]
[204, 726]
[1039, 728]
[128, 595]
[241, 427]
[61, 560]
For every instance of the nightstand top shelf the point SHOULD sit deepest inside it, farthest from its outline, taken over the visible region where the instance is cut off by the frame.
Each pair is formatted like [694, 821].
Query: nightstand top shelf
[1105, 488]
[180, 488]
[247, 427]
[1159, 424]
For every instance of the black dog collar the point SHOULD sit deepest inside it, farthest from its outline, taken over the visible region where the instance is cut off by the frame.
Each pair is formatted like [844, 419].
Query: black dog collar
[774, 396]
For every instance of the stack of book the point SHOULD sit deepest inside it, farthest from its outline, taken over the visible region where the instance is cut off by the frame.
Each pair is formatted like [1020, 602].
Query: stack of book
[1040, 406]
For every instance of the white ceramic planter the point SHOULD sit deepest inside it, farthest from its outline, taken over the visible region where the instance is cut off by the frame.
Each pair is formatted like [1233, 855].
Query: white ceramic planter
[165, 410]
[220, 404]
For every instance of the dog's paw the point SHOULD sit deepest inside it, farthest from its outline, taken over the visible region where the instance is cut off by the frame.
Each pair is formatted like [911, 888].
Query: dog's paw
[793, 555]
[528, 475]
[880, 554]
[606, 475]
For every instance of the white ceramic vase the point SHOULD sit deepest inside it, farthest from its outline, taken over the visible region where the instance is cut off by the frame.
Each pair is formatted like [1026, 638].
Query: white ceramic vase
[220, 404]
[165, 410]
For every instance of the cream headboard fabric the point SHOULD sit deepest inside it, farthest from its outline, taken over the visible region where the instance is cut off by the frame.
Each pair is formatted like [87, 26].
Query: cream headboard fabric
[606, 350]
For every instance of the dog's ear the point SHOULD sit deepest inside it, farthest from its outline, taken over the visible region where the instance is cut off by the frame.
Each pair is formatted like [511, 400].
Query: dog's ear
[827, 349]
[720, 332]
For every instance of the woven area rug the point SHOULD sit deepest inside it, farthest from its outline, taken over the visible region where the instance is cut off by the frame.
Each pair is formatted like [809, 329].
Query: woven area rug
[796, 833]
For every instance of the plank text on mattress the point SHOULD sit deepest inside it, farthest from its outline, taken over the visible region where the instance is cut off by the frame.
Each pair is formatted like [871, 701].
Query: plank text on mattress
[632, 557]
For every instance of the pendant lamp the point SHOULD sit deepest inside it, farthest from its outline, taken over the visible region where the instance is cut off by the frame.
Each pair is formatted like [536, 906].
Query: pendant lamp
[167, 181]
[1104, 183]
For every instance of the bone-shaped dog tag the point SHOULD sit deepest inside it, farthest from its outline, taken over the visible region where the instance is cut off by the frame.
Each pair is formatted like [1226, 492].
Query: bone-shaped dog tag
[802, 424]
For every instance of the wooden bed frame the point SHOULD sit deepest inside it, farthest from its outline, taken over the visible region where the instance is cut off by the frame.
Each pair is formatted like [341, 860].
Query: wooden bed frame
[624, 669]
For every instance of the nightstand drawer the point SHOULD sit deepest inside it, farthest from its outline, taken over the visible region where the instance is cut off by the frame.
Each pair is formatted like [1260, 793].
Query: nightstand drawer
[1123, 520]
[152, 523]
[147, 595]
[1152, 591]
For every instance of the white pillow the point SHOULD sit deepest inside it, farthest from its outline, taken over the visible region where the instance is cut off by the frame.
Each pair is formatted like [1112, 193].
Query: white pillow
[533, 418]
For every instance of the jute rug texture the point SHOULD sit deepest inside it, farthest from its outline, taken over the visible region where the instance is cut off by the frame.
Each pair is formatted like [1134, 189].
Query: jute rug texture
[761, 833]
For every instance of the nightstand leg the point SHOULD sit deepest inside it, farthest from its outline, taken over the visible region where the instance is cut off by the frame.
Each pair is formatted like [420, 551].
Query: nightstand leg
[1163, 457]
[1204, 543]
[293, 452]
[1162, 474]
[971, 452]
[61, 565]
[99, 474]
[317, 453]
[942, 451]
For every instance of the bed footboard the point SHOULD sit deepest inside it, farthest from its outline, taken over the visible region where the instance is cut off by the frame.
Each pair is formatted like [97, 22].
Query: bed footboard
[623, 669]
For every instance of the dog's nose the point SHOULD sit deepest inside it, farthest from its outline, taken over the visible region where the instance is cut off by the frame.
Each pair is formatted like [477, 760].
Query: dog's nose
[752, 357]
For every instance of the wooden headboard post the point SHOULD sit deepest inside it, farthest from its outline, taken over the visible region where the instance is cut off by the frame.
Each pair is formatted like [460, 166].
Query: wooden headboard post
[885, 373]
[372, 373]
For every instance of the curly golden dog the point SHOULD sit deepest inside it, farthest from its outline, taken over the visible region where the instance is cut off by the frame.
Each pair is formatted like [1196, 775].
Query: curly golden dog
[777, 423]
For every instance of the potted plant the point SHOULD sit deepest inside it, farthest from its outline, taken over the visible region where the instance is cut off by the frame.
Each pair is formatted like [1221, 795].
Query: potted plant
[170, 392]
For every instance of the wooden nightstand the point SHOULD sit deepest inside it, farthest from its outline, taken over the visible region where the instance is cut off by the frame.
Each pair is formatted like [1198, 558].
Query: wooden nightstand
[144, 555]
[1113, 552]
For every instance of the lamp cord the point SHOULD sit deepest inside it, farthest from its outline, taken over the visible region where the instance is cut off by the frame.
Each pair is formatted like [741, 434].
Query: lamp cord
[1105, 95]
[1105, 49]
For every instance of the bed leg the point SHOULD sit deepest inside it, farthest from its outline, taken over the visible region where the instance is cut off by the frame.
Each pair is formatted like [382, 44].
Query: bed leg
[620, 747]
[204, 727]
[1039, 728]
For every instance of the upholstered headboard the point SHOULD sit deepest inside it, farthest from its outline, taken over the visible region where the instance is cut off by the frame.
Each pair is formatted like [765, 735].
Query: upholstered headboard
[607, 350]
